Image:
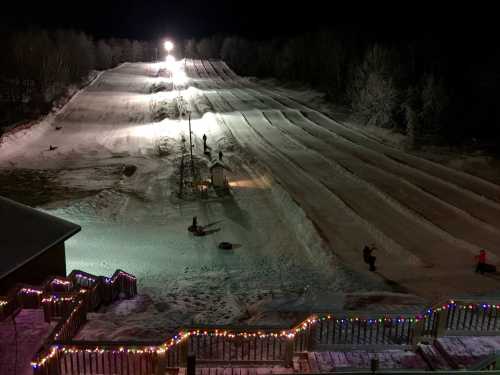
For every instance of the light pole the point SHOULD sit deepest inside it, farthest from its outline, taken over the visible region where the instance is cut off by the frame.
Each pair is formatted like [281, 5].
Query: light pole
[190, 144]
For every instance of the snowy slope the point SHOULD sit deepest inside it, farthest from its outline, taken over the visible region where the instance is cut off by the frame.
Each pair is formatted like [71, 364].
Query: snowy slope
[136, 223]
[428, 220]
[308, 193]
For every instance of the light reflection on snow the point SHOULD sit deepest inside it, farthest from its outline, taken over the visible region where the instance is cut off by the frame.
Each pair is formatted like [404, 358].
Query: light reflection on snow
[176, 69]
[175, 128]
[261, 182]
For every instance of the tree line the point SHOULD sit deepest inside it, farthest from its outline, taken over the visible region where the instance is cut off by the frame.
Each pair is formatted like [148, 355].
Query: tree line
[435, 92]
[37, 67]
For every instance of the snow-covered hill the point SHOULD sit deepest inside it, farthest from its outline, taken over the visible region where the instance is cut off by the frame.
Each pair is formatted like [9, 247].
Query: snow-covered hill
[308, 193]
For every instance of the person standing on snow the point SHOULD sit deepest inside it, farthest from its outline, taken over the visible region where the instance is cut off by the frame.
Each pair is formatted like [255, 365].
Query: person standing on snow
[194, 225]
[369, 258]
[366, 253]
[204, 143]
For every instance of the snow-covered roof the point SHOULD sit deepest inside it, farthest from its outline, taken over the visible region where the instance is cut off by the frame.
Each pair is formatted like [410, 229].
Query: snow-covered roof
[219, 163]
[26, 233]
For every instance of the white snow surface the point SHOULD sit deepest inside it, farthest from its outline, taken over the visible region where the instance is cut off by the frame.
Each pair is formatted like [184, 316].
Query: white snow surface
[307, 193]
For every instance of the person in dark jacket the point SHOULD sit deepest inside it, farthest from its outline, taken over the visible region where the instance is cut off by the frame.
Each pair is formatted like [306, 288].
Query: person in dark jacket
[204, 143]
[369, 258]
[194, 225]
[366, 253]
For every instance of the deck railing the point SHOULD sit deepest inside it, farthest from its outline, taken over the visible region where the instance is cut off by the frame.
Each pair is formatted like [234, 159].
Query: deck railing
[253, 344]
[261, 345]
[67, 300]
[246, 345]
[107, 358]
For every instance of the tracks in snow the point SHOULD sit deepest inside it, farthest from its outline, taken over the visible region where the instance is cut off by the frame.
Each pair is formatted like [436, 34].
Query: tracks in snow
[355, 189]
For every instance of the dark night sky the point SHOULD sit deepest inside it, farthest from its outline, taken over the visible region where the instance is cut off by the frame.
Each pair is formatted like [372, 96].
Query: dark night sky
[151, 19]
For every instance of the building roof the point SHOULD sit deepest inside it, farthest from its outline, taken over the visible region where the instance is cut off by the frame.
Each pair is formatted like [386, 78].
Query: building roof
[26, 233]
[217, 162]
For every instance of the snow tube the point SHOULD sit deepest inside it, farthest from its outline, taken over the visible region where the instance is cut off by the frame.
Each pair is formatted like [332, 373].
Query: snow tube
[225, 245]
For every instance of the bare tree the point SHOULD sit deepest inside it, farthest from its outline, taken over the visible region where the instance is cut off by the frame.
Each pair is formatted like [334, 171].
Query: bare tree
[137, 51]
[104, 55]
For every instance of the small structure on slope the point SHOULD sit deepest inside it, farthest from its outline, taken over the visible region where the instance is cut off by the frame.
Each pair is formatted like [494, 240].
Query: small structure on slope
[217, 173]
[31, 244]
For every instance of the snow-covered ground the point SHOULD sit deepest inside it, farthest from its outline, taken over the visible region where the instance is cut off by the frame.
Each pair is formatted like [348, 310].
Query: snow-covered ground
[427, 220]
[307, 193]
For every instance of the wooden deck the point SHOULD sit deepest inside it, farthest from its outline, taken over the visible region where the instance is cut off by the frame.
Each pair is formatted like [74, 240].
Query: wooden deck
[446, 353]
[360, 359]
[463, 351]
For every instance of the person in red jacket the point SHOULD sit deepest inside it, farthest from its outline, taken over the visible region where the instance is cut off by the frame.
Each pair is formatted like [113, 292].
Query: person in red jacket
[481, 262]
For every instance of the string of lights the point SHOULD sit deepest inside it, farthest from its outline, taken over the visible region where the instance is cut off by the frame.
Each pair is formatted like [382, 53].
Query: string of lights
[55, 299]
[84, 277]
[30, 291]
[78, 298]
[286, 334]
[61, 282]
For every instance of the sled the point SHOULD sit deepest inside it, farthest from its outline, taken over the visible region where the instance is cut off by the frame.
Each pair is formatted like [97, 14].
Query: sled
[491, 268]
[226, 246]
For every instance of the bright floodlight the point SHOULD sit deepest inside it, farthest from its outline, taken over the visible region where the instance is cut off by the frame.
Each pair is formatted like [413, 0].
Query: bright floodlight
[169, 46]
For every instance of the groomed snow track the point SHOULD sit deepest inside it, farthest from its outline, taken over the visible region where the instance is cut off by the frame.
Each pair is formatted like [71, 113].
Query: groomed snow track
[427, 220]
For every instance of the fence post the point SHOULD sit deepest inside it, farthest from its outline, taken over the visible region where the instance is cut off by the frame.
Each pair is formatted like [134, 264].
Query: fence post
[191, 364]
[442, 318]
[183, 352]
[161, 363]
[289, 352]
[417, 333]
[311, 334]
[47, 314]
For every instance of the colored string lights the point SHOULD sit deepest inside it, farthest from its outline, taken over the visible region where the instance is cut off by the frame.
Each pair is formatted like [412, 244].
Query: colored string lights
[285, 334]
[230, 334]
[30, 291]
[61, 282]
[55, 299]
[85, 277]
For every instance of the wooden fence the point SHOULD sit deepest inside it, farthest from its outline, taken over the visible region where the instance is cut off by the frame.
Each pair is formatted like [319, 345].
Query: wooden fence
[58, 294]
[354, 329]
[106, 358]
[253, 345]
[473, 317]
[250, 345]
[67, 301]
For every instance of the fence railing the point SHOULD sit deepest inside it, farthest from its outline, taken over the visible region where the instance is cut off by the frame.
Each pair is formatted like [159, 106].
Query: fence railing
[354, 329]
[58, 295]
[254, 345]
[473, 317]
[91, 358]
[66, 300]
